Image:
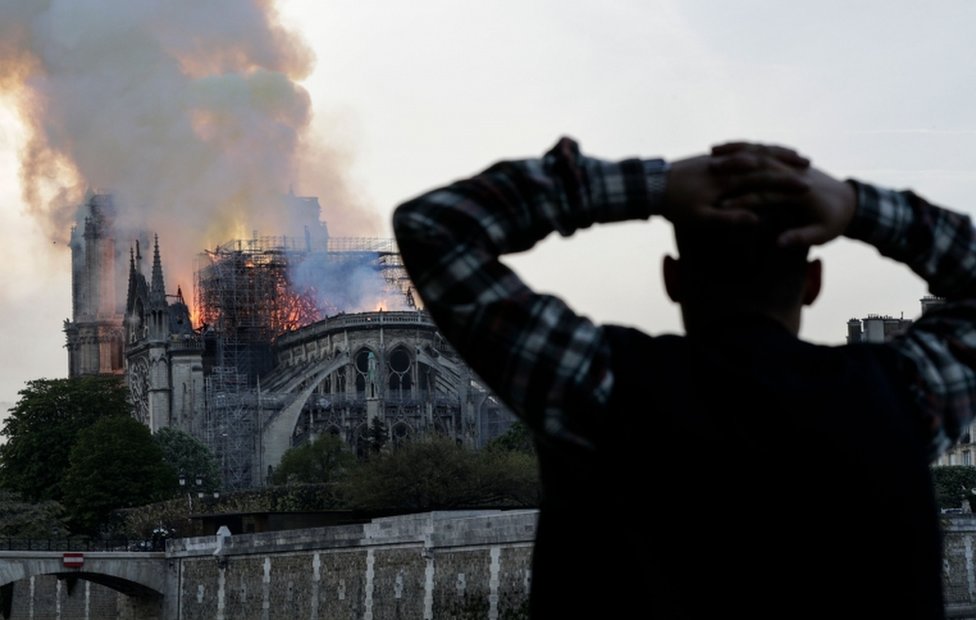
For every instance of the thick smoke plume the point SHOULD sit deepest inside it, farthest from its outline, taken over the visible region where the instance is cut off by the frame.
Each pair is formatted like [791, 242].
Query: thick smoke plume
[348, 285]
[188, 111]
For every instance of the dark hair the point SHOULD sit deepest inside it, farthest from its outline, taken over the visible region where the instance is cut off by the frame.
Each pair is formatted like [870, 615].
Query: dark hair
[740, 267]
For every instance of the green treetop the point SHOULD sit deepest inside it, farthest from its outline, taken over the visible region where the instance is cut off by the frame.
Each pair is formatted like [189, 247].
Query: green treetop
[43, 426]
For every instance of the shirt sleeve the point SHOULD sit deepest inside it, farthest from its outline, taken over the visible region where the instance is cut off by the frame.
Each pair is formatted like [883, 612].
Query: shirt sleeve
[940, 246]
[550, 365]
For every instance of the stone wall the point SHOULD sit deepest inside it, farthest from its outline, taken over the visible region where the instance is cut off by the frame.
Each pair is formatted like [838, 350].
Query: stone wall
[431, 565]
[45, 596]
[958, 570]
[471, 565]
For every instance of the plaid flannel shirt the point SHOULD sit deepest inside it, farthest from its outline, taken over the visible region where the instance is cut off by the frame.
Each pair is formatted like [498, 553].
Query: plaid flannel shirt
[552, 366]
[940, 246]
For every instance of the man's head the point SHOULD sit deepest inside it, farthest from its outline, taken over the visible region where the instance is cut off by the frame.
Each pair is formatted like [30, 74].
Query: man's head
[723, 269]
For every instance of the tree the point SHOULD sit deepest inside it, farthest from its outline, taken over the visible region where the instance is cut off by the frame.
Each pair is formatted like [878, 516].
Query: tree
[324, 460]
[436, 473]
[188, 456]
[517, 438]
[114, 464]
[510, 477]
[954, 484]
[43, 426]
[378, 435]
[20, 519]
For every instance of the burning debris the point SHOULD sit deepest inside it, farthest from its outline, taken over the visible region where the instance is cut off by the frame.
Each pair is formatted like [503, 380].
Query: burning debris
[250, 292]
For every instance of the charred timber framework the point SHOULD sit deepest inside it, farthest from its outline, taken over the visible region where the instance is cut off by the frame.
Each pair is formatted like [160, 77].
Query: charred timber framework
[245, 294]
[245, 297]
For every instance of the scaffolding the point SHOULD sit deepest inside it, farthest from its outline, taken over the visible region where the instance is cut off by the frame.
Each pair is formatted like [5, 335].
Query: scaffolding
[249, 292]
[230, 429]
[383, 255]
[246, 290]
[242, 292]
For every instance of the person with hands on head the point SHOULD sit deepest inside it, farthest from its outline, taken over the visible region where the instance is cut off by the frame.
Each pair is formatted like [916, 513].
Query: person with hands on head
[735, 470]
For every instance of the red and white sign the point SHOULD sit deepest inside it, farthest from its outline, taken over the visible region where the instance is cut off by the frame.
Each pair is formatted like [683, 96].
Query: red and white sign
[74, 560]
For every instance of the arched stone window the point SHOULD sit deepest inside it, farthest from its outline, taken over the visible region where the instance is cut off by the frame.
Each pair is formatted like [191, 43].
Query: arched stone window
[137, 322]
[366, 380]
[400, 371]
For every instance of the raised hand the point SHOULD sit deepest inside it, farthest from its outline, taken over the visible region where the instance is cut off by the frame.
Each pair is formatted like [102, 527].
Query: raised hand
[817, 216]
[700, 188]
[748, 156]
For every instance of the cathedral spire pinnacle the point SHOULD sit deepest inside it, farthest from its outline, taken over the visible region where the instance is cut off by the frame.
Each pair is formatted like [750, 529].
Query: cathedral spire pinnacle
[132, 276]
[157, 290]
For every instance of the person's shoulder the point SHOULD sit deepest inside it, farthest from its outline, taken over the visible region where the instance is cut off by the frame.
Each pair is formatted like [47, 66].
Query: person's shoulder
[632, 336]
[629, 345]
[855, 350]
[868, 363]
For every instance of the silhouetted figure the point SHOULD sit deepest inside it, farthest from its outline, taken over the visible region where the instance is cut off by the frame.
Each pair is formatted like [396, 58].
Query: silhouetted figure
[737, 471]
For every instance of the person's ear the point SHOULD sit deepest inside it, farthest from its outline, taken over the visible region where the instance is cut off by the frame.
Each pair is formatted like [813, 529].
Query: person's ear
[812, 281]
[672, 279]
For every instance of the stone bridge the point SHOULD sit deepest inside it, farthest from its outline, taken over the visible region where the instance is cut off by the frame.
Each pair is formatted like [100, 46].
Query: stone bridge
[426, 566]
[142, 576]
[452, 564]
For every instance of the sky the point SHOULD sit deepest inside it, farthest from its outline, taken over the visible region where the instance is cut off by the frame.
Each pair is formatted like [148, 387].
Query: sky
[387, 100]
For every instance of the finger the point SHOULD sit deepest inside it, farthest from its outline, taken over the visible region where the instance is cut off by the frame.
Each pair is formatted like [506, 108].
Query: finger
[730, 148]
[754, 202]
[783, 154]
[768, 182]
[729, 217]
[735, 163]
[788, 156]
[745, 161]
[711, 214]
[761, 203]
[799, 237]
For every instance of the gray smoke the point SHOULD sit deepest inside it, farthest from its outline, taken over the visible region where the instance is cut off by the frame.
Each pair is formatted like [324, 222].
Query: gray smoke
[346, 284]
[188, 111]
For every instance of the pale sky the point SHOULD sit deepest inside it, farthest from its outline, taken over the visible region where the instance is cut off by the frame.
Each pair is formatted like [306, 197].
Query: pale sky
[409, 96]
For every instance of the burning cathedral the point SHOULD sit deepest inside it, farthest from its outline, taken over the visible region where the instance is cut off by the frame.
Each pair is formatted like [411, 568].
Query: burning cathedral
[287, 338]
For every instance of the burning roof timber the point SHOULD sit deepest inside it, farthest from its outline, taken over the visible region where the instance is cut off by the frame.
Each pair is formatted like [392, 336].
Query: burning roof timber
[278, 284]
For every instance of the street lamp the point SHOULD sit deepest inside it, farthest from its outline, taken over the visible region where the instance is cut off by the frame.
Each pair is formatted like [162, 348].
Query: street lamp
[198, 485]
[189, 498]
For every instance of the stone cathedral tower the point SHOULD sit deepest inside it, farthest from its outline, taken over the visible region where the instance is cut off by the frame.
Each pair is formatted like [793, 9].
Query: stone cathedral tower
[94, 333]
[125, 324]
[163, 355]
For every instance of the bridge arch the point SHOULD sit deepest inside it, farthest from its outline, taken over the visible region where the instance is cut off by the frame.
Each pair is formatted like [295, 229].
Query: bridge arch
[125, 586]
[141, 574]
